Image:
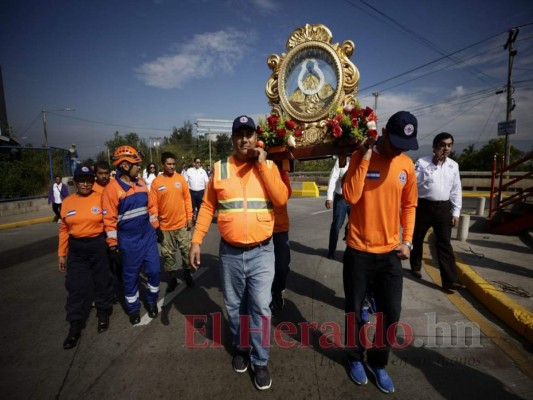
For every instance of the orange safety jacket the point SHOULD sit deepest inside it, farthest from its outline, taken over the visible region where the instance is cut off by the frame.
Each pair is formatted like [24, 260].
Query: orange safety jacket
[81, 216]
[245, 204]
[281, 216]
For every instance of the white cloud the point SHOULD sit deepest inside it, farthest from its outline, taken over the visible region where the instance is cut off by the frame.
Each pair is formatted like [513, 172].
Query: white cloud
[207, 54]
[459, 91]
[264, 5]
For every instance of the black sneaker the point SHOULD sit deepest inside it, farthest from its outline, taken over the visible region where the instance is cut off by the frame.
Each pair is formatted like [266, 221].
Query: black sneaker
[188, 278]
[262, 379]
[240, 362]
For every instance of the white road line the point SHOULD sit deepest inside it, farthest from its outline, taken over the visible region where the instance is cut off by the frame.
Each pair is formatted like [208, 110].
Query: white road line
[321, 212]
[145, 319]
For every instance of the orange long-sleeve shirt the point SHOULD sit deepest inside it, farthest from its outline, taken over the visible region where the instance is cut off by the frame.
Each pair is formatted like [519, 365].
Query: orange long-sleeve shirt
[172, 200]
[81, 216]
[383, 195]
[276, 191]
[281, 216]
[98, 188]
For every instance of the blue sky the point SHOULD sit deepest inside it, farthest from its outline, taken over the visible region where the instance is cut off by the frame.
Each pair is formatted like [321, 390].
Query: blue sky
[148, 66]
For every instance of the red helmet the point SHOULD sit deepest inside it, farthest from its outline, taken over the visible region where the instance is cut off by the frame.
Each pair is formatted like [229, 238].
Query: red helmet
[126, 153]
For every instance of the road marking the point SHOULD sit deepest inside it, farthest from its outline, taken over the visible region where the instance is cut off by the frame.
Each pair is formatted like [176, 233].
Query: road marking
[321, 212]
[145, 319]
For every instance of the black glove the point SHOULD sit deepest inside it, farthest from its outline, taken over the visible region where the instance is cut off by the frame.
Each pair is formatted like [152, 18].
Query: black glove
[159, 235]
[114, 255]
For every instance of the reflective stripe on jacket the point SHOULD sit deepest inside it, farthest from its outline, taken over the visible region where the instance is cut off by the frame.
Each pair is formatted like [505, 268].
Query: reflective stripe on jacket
[245, 212]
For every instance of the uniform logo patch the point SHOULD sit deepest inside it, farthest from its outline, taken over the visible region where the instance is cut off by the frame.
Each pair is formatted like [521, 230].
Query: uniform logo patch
[177, 184]
[160, 188]
[71, 213]
[402, 177]
[243, 120]
[408, 130]
[372, 175]
[96, 210]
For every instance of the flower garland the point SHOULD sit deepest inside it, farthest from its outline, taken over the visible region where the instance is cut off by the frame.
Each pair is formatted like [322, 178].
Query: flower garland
[277, 130]
[352, 123]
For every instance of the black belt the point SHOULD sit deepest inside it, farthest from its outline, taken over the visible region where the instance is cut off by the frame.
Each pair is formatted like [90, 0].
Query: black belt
[435, 201]
[247, 248]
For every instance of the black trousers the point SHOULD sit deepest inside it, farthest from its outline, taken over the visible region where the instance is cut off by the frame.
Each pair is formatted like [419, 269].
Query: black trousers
[88, 278]
[436, 215]
[56, 208]
[381, 273]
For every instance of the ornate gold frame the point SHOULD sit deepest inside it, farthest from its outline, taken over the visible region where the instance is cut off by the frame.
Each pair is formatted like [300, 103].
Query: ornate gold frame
[312, 113]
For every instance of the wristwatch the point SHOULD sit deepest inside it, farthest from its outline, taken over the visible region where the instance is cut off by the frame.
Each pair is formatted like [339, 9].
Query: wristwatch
[408, 244]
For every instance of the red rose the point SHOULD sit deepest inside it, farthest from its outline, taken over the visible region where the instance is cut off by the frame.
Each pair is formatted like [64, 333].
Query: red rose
[367, 112]
[281, 132]
[259, 130]
[298, 133]
[372, 133]
[337, 131]
[290, 124]
[272, 122]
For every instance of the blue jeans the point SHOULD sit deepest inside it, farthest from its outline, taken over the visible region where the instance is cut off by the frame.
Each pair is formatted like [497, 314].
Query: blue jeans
[197, 197]
[282, 252]
[247, 277]
[383, 274]
[341, 209]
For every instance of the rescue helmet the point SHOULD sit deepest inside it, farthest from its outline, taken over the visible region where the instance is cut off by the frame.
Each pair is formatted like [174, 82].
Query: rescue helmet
[126, 153]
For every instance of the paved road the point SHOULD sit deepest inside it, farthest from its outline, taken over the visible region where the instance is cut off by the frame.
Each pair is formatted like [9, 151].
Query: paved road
[446, 356]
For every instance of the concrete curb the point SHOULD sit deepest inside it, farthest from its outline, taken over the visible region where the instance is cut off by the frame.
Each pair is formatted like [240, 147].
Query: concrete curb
[506, 309]
[27, 222]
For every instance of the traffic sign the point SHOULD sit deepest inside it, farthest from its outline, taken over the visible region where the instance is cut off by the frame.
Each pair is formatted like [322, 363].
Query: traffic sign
[507, 127]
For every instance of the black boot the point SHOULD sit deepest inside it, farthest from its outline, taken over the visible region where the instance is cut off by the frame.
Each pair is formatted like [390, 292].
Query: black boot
[188, 278]
[103, 319]
[73, 335]
[172, 283]
[152, 310]
[135, 318]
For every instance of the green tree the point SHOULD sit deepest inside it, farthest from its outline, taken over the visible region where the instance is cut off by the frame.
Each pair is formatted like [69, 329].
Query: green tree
[481, 160]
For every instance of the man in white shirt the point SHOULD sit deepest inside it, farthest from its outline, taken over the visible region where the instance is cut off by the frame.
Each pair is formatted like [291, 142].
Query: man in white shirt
[439, 207]
[197, 179]
[334, 198]
[56, 195]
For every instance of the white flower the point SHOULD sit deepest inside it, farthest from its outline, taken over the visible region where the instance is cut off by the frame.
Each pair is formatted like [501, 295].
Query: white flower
[371, 125]
[291, 142]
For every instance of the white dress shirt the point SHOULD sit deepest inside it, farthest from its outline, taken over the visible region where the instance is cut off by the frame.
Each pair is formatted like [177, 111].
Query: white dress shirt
[57, 193]
[197, 178]
[439, 182]
[335, 179]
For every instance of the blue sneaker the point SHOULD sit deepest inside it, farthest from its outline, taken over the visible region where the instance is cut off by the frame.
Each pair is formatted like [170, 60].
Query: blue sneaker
[383, 379]
[357, 373]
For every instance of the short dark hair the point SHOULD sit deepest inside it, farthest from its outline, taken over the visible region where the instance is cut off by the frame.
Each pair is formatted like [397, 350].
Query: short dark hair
[102, 164]
[442, 136]
[166, 155]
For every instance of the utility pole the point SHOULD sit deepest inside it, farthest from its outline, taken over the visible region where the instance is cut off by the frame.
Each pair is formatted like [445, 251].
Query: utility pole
[513, 33]
[376, 95]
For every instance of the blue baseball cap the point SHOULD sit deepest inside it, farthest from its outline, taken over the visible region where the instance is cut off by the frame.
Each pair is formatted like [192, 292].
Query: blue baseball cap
[241, 121]
[402, 129]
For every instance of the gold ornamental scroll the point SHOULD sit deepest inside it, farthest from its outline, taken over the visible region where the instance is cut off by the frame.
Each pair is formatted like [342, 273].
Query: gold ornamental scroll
[306, 83]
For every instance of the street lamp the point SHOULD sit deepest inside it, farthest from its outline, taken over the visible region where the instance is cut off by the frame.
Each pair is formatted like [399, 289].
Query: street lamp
[43, 114]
